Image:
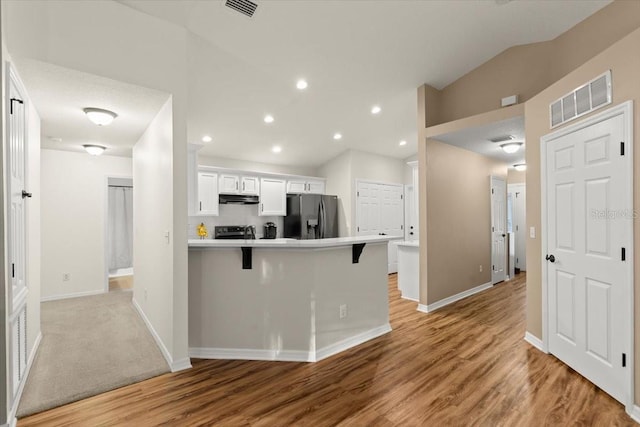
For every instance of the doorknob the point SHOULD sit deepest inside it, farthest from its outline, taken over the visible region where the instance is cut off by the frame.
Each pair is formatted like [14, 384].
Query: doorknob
[25, 194]
[550, 258]
[504, 235]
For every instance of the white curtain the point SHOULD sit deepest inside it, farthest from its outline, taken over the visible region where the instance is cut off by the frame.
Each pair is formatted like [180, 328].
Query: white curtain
[120, 227]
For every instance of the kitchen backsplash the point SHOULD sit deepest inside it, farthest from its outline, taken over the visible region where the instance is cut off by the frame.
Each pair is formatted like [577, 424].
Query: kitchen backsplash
[235, 215]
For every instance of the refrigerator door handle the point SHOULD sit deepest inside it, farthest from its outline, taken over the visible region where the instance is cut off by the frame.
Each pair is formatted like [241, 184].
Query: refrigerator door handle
[323, 227]
[320, 230]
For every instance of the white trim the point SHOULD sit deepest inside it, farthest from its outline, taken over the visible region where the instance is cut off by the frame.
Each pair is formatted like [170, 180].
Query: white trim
[181, 365]
[23, 382]
[626, 110]
[154, 334]
[410, 299]
[634, 412]
[494, 279]
[74, 295]
[353, 341]
[288, 355]
[535, 341]
[453, 298]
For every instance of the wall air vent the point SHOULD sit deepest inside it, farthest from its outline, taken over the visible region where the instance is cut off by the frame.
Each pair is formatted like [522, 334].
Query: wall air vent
[502, 138]
[245, 7]
[588, 97]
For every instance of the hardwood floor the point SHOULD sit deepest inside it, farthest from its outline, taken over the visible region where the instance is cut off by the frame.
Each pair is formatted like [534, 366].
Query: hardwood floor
[121, 283]
[465, 364]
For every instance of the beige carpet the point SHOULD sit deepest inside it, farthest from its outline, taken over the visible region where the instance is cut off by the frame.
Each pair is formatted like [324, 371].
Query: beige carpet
[89, 345]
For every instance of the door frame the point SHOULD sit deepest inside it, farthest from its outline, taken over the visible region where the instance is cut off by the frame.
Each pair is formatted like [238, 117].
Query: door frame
[506, 249]
[626, 110]
[107, 179]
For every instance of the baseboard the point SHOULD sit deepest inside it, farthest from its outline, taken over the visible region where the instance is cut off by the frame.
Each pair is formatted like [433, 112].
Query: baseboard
[181, 365]
[154, 334]
[535, 341]
[251, 354]
[453, 298]
[353, 341]
[410, 299]
[74, 295]
[634, 413]
[288, 355]
[32, 357]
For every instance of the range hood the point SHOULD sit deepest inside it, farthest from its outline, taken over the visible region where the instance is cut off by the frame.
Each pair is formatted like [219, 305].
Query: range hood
[238, 199]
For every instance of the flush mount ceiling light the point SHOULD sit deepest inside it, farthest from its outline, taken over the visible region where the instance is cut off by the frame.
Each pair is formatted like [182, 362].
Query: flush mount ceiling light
[207, 138]
[403, 142]
[376, 109]
[276, 149]
[337, 136]
[511, 147]
[302, 84]
[268, 118]
[99, 116]
[520, 167]
[94, 149]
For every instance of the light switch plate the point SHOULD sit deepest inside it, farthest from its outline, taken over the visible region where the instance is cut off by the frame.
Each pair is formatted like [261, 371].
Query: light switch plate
[532, 232]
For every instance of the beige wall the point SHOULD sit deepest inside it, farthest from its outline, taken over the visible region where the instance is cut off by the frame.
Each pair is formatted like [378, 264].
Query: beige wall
[623, 59]
[337, 171]
[516, 177]
[74, 209]
[528, 69]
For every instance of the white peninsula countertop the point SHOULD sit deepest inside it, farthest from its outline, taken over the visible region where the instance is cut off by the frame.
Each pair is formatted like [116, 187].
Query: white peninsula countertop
[287, 243]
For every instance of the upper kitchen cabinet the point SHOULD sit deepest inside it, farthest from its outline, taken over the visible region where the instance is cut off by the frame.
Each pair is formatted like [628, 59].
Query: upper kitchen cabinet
[236, 184]
[208, 193]
[295, 186]
[273, 197]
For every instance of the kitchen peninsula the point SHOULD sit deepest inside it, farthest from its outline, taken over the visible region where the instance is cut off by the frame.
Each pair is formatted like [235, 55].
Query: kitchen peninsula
[286, 299]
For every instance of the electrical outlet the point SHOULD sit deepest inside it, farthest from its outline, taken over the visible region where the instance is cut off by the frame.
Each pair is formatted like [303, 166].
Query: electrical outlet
[480, 269]
[66, 277]
[343, 311]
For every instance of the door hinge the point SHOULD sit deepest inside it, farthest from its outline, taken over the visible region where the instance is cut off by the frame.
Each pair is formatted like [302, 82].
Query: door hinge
[401, 197]
[517, 260]
[624, 360]
[402, 227]
[358, 228]
[622, 148]
[624, 254]
[493, 268]
[19, 101]
[492, 191]
[13, 270]
[358, 194]
[517, 228]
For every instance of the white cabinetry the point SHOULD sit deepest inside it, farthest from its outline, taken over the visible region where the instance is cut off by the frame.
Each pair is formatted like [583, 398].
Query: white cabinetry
[295, 186]
[208, 193]
[236, 184]
[273, 197]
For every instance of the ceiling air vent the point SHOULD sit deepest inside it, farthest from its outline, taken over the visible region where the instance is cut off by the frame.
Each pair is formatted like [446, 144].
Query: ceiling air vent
[245, 7]
[502, 138]
[586, 98]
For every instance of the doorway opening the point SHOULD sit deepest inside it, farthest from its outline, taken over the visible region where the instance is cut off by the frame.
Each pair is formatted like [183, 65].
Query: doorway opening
[119, 228]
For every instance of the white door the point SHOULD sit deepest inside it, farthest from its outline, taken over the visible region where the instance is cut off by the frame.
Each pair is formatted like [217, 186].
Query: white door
[520, 226]
[250, 185]
[368, 209]
[208, 193]
[498, 230]
[589, 210]
[229, 184]
[273, 197]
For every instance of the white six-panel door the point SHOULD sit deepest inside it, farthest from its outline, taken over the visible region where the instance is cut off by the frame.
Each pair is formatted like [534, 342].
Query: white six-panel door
[588, 238]
[498, 230]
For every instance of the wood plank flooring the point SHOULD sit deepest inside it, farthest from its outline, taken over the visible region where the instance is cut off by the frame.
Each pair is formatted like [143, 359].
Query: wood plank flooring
[121, 283]
[463, 365]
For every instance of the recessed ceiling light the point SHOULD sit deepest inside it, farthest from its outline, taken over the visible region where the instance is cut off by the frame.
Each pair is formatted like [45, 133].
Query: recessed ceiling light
[376, 109]
[268, 118]
[276, 149]
[511, 147]
[520, 167]
[337, 136]
[302, 84]
[94, 149]
[99, 116]
[403, 142]
[207, 138]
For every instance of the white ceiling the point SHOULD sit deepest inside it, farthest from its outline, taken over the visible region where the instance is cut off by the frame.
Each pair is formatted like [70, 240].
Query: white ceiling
[477, 139]
[353, 53]
[60, 95]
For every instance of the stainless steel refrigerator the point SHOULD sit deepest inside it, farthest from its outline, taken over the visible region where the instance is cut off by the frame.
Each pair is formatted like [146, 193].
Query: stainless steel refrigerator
[311, 216]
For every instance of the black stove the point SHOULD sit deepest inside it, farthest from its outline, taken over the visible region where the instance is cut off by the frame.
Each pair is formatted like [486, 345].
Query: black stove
[234, 232]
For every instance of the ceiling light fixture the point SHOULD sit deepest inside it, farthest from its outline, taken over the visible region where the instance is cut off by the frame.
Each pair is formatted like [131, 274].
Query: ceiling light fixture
[94, 149]
[337, 136]
[376, 109]
[520, 167]
[511, 147]
[276, 149]
[99, 116]
[268, 118]
[403, 142]
[207, 138]
[302, 84]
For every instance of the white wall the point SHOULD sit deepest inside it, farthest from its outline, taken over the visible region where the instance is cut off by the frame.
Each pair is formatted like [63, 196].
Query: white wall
[408, 170]
[337, 171]
[74, 207]
[374, 167]
[222, 162]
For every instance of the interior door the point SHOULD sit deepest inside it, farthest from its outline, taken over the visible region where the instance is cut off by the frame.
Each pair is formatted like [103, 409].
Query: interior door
[368, 209]
[589, 228]
[498, 230]
[520, 226]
